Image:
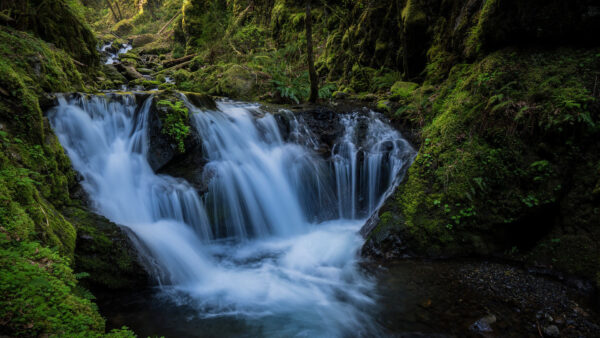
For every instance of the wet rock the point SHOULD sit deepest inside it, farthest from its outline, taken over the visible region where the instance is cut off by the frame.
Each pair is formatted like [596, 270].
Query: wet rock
[163, 148]
[189, 167]
[552, 331]
[483, 324]
[322, 122]
[201, 101]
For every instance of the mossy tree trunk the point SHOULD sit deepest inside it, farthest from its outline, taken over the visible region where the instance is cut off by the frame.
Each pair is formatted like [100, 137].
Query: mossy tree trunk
[113, 11]
[314, 89]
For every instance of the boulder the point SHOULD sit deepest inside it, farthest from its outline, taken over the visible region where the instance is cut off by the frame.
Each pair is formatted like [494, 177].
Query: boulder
[106, 252]
[142, 40]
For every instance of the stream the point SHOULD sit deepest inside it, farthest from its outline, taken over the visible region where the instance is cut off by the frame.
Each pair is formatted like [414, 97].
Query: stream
[272, 246]
[269, 246]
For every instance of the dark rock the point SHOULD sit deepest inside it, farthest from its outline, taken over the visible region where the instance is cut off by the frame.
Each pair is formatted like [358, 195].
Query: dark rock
[552, 331]
[105, 251]
[161, 149]
[190, 167]
[201, 101]
[483, 324]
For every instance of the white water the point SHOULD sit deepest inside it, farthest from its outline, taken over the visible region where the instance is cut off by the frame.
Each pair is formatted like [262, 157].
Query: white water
[114, 57]
[256, 246]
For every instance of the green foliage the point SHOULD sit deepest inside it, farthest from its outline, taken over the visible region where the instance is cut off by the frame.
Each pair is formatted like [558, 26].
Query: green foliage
[498, 135]
[36, 292]
[175, 122]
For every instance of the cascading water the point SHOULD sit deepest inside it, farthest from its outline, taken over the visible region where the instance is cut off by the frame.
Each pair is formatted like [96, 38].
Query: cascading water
[111, 56]
[255, 246]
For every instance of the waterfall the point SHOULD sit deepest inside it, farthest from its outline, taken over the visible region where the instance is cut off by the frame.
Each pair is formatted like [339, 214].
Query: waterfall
[257, 246]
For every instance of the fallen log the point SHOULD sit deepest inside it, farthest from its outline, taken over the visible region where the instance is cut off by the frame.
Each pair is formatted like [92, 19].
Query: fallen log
[174, 62]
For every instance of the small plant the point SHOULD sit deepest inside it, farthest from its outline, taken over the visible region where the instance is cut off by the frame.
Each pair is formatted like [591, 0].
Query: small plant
[175, 122]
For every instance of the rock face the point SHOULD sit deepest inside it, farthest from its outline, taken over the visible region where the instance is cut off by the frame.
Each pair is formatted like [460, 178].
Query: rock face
[171, 136]
[105, 251]
[323, 123]
[476, 189]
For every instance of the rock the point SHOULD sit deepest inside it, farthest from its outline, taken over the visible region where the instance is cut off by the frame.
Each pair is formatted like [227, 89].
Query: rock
[202, 101]
[145, 71]
[483, 324]
[123, 27]
[190, 167]
[164, 148]
[339, 95]
[142, 40]
[129, 72]
[552, 331]
[113, 74]
[106, 252]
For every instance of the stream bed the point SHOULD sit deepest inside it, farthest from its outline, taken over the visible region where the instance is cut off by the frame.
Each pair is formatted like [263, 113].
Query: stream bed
[414, 298]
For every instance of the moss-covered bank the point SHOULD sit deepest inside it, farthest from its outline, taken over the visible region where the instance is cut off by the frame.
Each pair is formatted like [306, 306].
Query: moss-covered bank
[39, 290]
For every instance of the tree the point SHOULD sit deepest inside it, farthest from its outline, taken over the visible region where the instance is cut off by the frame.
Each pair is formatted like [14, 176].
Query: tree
[314, 85]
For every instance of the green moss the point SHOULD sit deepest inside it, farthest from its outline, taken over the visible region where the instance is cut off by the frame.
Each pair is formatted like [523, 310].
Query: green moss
[412, 14]
[402, 91]
[123, 27]
[475, 38]
[498, 136]
[104, 252]
[37, 293]
[175, 121]
[58, 22]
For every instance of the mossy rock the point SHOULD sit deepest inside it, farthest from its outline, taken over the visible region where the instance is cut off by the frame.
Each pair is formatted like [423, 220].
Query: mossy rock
[142, 40]
[57, 22]
[123, 27]
[402, 90]
[478, 188]
[170, 132]
[105, 252]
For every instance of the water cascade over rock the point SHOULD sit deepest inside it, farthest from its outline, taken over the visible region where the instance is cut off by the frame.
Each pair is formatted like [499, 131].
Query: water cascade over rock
[273, 241]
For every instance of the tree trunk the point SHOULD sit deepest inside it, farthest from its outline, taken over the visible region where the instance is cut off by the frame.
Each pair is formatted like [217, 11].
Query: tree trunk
[314, 85]
[112, 10]
[119, 10]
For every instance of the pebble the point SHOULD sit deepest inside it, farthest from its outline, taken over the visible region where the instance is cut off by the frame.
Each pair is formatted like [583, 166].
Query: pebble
[552, 331]
[483, 324]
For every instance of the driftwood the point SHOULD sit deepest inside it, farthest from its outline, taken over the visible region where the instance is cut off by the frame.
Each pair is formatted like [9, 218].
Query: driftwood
[174, 62]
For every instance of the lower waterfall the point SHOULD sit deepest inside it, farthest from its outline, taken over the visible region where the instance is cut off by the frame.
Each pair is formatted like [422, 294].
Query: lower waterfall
[274, 240]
